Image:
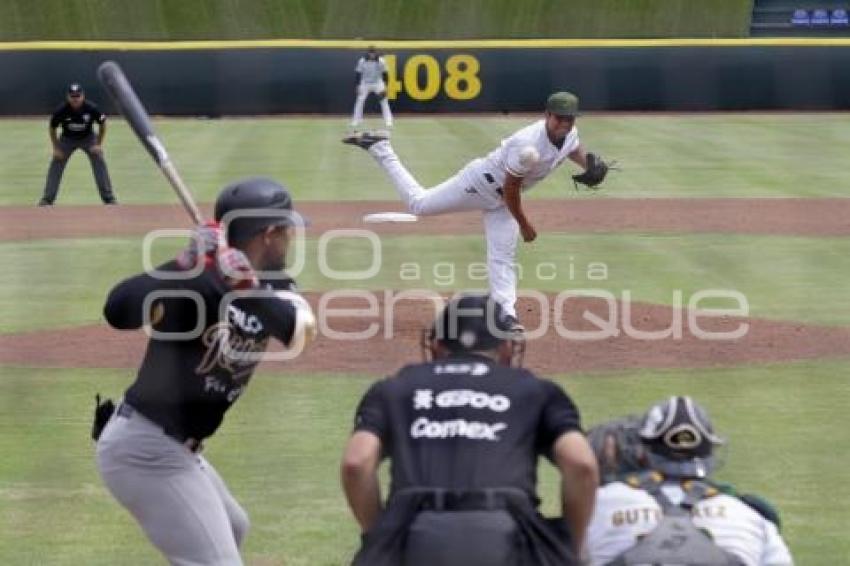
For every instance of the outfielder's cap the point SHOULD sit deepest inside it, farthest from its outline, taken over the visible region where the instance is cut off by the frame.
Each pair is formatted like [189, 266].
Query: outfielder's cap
[562, 104]
[471, 323]
[75, 89]
[680, 438]
[243, 205]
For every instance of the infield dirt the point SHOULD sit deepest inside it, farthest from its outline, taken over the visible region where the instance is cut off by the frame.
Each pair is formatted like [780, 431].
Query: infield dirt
[765, 340]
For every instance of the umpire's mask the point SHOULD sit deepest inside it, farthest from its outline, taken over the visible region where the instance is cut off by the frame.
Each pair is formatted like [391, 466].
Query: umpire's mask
[680, 438]
[473, 323]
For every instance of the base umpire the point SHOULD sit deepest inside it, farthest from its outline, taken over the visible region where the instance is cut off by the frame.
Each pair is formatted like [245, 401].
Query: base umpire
[77, 116]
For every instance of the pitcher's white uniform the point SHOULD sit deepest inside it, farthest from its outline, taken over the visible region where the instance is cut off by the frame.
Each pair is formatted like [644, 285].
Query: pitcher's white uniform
[371, 73]
[624, 513]
[478, 186]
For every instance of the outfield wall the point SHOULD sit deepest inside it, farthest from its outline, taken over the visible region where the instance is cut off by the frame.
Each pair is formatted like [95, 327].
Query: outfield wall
[242, 78]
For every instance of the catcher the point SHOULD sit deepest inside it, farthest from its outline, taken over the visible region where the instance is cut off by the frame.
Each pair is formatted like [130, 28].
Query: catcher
[658, 503]
[494, 185]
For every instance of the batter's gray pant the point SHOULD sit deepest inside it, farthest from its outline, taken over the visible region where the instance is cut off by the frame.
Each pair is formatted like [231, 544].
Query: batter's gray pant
[57, 168]
[176, 496]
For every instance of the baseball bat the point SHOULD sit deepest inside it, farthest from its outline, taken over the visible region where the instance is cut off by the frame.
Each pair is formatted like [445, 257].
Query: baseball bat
[119, 88]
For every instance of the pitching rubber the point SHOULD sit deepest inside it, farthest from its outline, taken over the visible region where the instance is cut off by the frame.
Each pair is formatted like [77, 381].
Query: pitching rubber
[380, 217]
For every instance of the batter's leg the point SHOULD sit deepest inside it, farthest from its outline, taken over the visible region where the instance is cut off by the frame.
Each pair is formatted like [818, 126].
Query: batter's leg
[101, 175]
[357, 116]
[54, 173]
[239, 521]
[162, 485]
[502, 232]
[452, 195]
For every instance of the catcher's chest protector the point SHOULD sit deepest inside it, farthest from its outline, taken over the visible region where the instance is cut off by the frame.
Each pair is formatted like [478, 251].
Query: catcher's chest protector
[676, 541]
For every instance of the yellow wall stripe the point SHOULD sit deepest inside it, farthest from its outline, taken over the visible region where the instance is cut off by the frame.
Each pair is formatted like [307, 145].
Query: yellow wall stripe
[430, 44]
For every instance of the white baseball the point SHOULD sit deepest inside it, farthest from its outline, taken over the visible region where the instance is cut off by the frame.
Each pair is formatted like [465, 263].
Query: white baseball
[528, 156]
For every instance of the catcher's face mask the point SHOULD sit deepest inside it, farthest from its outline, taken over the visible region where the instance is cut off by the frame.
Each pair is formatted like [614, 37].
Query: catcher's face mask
[680, 438]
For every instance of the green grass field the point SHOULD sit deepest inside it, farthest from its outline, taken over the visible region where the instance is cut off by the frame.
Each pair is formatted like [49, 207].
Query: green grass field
[731, 155]
[370, 19]
[280, 445]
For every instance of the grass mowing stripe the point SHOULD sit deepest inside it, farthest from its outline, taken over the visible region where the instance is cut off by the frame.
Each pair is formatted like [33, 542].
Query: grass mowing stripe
[64, 282]
[280, 445]
[733, 155]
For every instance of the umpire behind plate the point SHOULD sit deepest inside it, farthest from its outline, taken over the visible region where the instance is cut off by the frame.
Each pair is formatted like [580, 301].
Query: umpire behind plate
[463, 432]
[149, 453]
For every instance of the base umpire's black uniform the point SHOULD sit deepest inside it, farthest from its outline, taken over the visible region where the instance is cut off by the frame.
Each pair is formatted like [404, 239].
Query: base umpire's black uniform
[77, 124]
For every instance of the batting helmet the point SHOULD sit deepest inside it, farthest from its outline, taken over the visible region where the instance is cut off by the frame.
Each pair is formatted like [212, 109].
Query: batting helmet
[241, 207]
[473, 323]
[680, 438]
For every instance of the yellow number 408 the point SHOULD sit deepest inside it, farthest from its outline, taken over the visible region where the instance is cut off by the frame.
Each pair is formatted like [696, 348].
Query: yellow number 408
[461, 83]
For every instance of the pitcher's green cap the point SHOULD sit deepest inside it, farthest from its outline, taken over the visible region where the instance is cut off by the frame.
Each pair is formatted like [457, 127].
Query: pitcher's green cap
[562, 104]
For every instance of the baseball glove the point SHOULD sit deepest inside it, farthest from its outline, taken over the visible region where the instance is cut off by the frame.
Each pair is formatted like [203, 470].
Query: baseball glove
[594, 174]
[618, 447]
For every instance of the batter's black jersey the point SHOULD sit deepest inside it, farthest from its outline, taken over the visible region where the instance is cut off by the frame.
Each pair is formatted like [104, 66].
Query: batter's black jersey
[77, 124]
[466, 423]
[186, 386]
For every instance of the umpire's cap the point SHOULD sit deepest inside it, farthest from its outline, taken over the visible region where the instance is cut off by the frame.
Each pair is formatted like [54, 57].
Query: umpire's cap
[680, 438]
[242, 205]
[471, 323]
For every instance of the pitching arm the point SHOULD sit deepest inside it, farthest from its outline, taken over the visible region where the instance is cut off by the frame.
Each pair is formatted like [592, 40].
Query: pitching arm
[512, 190]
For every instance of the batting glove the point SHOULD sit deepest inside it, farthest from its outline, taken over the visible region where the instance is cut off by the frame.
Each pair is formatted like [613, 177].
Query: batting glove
[236, 270]
[203, 245]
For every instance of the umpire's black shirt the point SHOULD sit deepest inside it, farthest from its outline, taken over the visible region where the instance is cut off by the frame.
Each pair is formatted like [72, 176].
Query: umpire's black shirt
[186, 386]
[466, 422]
[77, 124]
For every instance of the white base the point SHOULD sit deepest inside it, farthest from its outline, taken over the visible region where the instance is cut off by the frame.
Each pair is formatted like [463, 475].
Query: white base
[380, 217]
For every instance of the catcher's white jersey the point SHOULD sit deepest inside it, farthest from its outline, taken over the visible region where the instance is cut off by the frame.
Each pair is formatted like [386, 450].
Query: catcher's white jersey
[371, 71]
[506, 157]
[624, 513]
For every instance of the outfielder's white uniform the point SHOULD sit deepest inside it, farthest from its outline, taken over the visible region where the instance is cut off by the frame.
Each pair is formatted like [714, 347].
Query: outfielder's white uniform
[371, 81]
[624, 513]
[478, 186]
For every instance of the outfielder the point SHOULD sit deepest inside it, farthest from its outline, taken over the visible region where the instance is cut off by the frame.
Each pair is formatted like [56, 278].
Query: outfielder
[494, 185]
[371, 77]
[149, 449]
